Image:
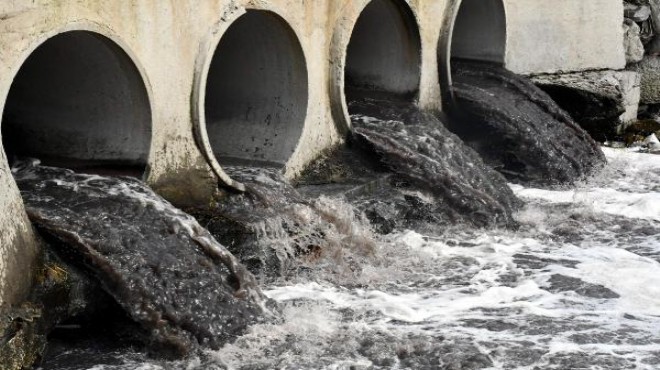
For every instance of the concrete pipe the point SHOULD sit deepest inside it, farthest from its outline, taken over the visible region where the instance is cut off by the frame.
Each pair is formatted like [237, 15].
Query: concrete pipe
[78, 101]
[256, 92]
[384, 52]
[475, 30]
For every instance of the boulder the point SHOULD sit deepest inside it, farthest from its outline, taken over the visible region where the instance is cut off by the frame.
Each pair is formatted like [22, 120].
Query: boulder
[637, 12]
[601, 101]
[632, 42]
[653, 48]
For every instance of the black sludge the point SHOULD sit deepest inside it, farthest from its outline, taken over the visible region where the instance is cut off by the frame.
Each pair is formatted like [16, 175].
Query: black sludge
[431, 167]
[518, 129]
[157, 262]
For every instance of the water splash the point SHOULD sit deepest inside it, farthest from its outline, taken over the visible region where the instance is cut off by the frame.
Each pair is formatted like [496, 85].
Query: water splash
[280, 233]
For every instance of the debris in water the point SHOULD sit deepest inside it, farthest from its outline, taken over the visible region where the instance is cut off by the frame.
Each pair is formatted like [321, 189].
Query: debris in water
[166, 271]
[518, 129]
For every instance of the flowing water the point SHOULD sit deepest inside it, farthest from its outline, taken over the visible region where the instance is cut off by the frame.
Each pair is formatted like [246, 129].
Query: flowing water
[517, 128]
[575, 287]
[444, 180]
[166, 271]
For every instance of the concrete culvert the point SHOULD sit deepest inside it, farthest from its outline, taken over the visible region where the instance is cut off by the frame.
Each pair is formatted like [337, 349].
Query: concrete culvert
[479, 31]
[384, 52]
[79, 102]
[256, 92]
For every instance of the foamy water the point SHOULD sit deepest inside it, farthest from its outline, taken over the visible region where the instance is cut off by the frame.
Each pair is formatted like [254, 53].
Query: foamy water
[576, 287]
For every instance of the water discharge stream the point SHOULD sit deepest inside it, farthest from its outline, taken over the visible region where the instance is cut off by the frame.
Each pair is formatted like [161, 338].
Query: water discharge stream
[574, 287]
[517, 128]
[165, 270]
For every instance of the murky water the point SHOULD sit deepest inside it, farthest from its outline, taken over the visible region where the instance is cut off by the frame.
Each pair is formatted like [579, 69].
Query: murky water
[576, 287]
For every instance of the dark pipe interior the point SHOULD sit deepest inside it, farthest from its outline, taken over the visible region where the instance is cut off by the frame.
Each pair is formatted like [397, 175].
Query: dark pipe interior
[256, 94]
[480, 31]
[79, 102]
[384, 53]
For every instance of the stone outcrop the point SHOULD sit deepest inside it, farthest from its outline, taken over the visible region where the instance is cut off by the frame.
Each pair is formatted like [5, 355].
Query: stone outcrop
[632, 42]
[639, 12]
[601, 101]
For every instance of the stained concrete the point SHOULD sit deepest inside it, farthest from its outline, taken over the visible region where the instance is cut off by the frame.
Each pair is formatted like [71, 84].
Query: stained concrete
[171, 48]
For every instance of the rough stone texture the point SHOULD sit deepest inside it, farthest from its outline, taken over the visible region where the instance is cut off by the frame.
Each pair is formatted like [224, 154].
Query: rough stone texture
[636, 12]
[564, 35]
[601, 101]
[632, 43]
[631, 90]
[649, 69]
[653, 47]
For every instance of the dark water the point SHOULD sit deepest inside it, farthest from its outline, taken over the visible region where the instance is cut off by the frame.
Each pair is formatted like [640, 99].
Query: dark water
[433, 170]
[518, 129]
[164, 270]
[279, 232]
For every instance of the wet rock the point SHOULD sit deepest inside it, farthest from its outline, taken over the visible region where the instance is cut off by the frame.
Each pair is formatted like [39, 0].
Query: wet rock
[637, 12]
[631, 42]
[60, 293]
[562, 283]
[653, 47]
[600, 101]
[644, 127]
[164, 270]
[652, 143]
[518, 129]
[22, 341]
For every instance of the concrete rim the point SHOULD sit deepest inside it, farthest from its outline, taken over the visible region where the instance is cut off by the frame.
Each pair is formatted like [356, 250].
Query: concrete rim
[99, 30]
[445, 50]
[341, 38]
[202, 68]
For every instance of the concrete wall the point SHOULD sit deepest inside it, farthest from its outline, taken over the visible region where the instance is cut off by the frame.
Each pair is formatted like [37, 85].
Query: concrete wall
[564, 35]
[170, 46]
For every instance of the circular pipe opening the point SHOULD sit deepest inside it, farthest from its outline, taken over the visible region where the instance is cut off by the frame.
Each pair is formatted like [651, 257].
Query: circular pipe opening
[475, 30]
[79, 102]
[384, 52]
[256, 92]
